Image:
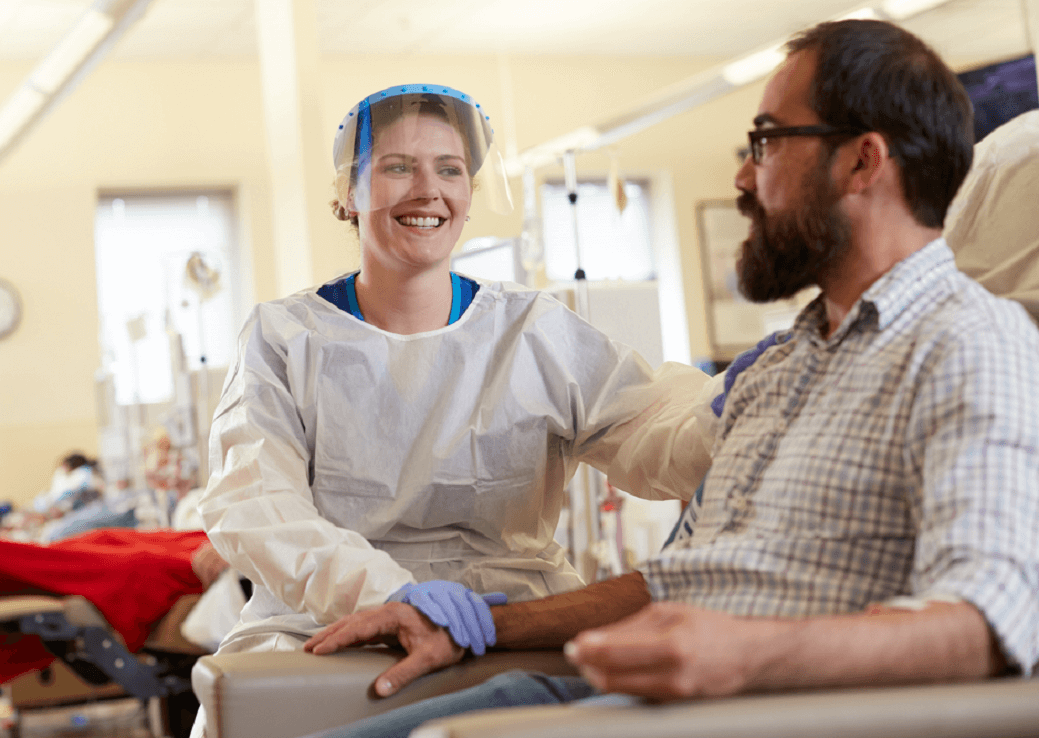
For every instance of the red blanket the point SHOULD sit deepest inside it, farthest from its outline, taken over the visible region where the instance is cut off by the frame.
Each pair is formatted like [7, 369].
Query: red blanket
[133, 577]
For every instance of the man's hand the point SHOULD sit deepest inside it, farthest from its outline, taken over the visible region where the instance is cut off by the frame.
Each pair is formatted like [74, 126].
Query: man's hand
[666, 651]
[429, 646]
[670, 651]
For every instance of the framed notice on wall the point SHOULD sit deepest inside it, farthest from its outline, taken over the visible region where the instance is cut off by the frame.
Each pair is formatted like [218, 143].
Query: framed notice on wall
[734, 324]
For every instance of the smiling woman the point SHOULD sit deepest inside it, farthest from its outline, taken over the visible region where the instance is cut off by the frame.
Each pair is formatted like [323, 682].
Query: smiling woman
[405, 432]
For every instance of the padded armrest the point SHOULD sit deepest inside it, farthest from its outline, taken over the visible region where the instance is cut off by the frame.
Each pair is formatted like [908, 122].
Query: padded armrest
[14, 608]
[312, 693]
[999, 708]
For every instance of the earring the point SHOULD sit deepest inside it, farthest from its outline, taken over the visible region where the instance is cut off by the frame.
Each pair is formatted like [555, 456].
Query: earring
[467, 219]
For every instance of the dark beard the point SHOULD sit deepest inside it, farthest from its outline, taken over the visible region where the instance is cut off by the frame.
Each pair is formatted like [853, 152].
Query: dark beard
[786, 253]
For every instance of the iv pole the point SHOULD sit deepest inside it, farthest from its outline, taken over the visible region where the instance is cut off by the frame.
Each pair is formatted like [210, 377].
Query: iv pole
[580, 280]
[584, 498]
[589, 498]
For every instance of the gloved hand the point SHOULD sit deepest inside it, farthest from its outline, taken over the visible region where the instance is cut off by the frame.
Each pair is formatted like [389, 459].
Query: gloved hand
[465, 614]
[740, 363]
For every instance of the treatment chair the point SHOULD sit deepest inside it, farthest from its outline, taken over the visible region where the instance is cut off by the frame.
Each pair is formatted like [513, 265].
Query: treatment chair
[94, 667]
[236, 690]
[997, 708]
[325, 691]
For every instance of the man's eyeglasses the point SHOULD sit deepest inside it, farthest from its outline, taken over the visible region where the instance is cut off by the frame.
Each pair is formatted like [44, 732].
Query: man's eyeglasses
[760, 136]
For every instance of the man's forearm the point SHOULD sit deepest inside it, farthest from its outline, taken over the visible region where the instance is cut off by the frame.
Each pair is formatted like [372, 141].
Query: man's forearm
[552, 621]
[944, 642]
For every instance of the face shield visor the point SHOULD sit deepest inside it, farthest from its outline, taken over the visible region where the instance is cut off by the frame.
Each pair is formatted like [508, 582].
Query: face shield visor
[414, 142]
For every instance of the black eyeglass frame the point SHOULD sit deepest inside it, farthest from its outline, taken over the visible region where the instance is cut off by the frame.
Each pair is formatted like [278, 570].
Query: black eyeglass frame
[757, 150]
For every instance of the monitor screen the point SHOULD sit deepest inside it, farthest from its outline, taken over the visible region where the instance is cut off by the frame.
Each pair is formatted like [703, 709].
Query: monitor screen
[1001, 92]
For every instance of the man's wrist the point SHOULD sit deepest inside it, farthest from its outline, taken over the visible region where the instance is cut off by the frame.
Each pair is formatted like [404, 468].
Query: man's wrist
[554, 620]
[770, 651]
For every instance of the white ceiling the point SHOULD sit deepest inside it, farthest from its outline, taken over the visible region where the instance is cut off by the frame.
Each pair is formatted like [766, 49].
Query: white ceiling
[199, 29]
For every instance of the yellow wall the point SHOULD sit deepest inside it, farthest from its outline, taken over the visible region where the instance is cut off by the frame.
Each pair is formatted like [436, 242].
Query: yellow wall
[152, 125]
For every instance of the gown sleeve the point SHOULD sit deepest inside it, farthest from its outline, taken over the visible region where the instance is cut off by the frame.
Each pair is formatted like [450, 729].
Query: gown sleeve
[650, 431]
[664, 451]
[258, 508]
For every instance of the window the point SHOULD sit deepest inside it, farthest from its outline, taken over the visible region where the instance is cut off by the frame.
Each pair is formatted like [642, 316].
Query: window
[614, 245]
[147, 296]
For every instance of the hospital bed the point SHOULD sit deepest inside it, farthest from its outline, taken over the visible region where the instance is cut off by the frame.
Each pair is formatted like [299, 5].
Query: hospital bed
[94, 666]
[95, 619]
[324, 691]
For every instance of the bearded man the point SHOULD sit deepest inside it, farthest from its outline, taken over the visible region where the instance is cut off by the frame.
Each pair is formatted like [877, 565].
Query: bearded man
[871, 510]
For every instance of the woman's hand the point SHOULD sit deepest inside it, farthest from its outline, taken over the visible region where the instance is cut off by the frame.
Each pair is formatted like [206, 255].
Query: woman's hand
[429, 646]
[465, 614]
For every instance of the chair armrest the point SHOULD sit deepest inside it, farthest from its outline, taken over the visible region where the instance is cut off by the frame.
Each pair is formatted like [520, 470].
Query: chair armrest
[13, 609]
[314, 693]
[998, 708]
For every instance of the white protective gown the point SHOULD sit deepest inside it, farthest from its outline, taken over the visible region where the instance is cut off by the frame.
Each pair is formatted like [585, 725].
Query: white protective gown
[348, 461]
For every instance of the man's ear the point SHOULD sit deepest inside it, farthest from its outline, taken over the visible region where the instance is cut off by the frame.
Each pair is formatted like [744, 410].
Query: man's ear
[870, 159]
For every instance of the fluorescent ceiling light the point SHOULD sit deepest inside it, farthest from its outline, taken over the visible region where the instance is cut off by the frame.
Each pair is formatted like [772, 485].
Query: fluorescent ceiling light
[867, 13]
[549, 152]
[902, 9]
[575, 140]
[63, 68]
[754, 66]
[20, 107]
[76, 46]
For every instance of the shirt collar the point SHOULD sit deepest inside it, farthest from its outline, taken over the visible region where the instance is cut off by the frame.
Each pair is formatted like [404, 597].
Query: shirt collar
[908, 280]
[888, 297]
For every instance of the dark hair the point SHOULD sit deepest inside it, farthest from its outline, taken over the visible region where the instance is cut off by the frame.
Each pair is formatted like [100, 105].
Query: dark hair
[876, 76]
[75, 460]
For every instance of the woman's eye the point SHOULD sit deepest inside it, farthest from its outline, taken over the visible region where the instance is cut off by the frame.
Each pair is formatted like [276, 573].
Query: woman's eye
[396, 169]
[450, 172]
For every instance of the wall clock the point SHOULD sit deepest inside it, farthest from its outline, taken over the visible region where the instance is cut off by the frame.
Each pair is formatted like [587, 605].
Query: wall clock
[10, 308]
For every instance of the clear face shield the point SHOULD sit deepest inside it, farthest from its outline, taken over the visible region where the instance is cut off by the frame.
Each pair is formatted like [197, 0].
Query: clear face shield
[414, 144]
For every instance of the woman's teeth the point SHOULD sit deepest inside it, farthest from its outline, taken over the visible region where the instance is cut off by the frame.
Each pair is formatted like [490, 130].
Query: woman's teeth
[410, 220]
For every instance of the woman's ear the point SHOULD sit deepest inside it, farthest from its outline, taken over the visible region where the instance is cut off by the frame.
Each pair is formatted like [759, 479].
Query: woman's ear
[343, 191]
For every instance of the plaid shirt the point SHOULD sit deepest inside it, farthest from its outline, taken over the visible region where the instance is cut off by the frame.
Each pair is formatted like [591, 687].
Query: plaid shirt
[898, 457]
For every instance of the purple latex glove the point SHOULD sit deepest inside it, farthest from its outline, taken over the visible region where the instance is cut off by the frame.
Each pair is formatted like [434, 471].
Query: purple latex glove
[738, 364]
[465, 614]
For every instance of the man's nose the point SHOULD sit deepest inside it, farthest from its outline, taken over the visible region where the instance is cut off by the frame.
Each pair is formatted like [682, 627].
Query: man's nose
[745, 175]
